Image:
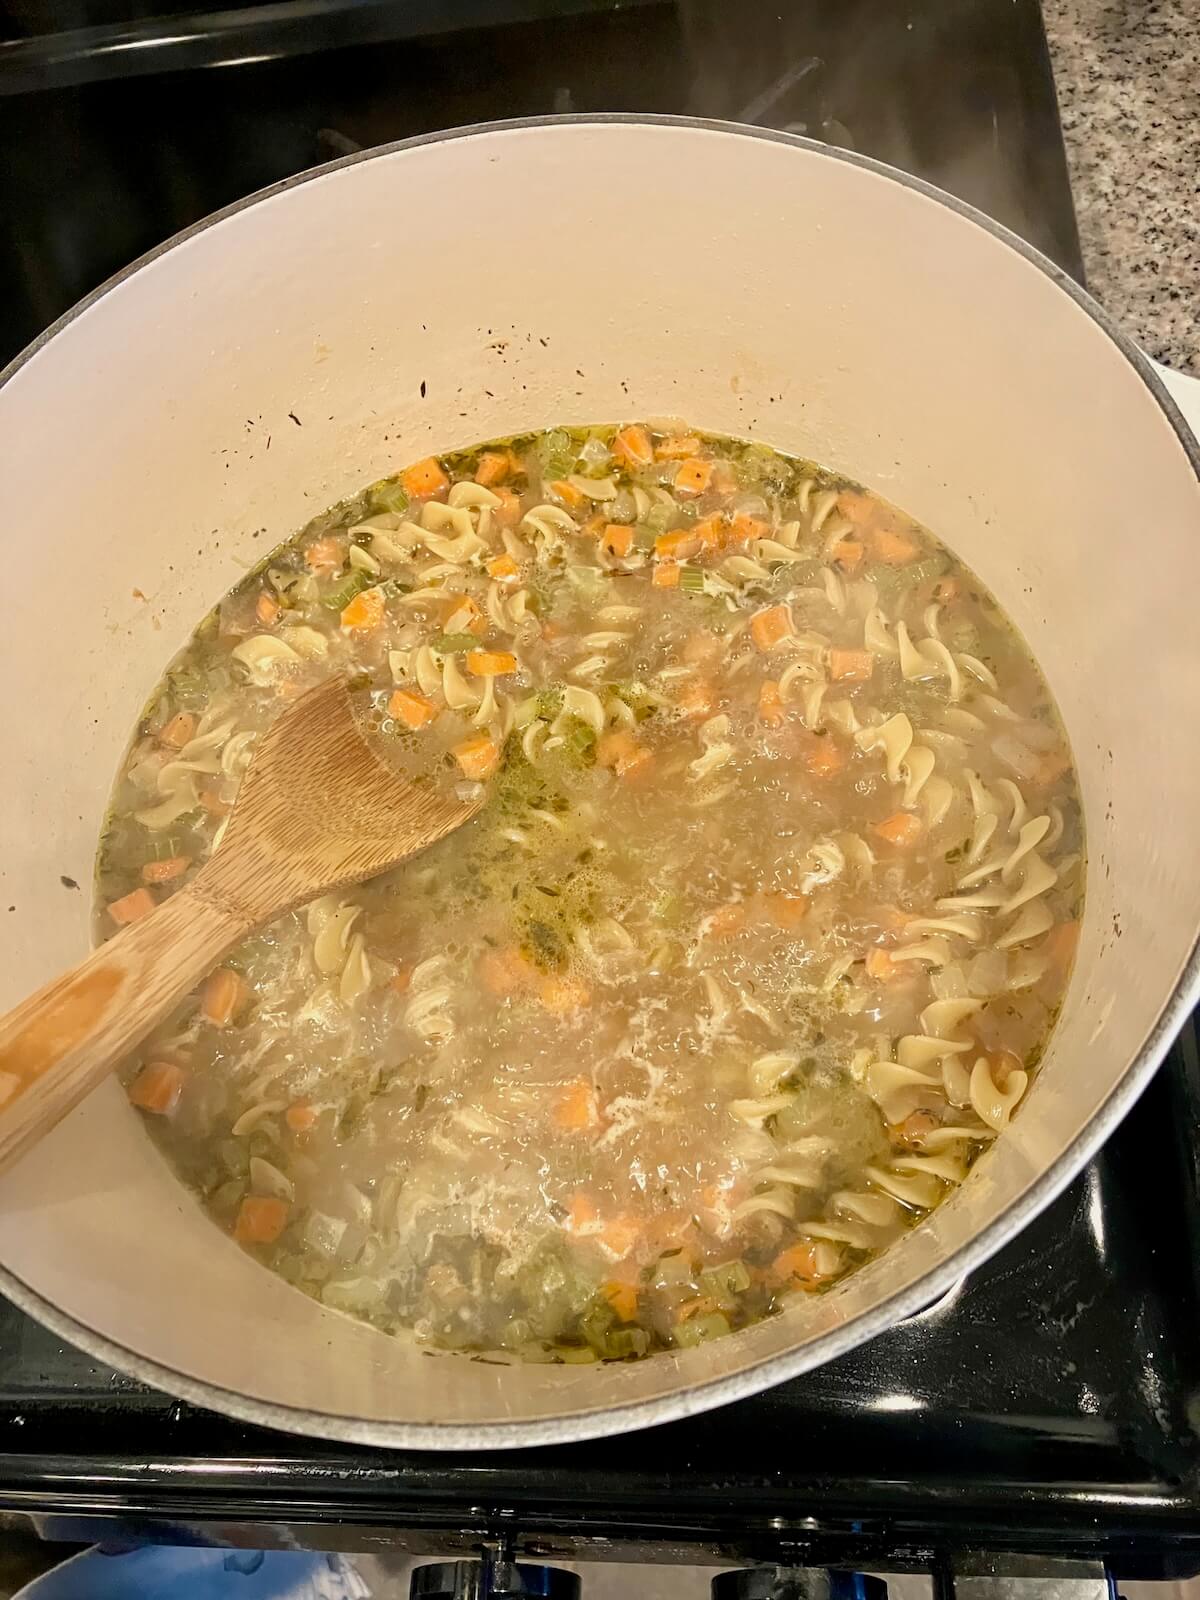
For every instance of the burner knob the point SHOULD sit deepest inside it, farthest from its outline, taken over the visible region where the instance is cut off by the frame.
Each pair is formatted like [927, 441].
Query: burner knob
[492, 1580]
[797, 1583]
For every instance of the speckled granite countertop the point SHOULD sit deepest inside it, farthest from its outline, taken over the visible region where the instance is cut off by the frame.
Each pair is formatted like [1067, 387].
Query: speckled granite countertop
[1128, 75]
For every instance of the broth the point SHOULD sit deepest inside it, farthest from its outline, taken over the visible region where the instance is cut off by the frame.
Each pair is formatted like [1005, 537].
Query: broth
[749, 955]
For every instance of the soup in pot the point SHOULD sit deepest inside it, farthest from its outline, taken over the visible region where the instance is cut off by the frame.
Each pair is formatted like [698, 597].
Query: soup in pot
[749, 955]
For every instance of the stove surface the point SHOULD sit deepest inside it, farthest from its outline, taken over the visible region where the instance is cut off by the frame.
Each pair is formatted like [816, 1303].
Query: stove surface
[1047, 1404]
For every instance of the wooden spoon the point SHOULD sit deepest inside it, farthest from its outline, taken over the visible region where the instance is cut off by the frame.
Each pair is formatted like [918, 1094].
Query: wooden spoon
[317, 810]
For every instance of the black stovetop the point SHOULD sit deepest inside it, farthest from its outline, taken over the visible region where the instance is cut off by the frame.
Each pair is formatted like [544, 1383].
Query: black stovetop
[1046, 1405]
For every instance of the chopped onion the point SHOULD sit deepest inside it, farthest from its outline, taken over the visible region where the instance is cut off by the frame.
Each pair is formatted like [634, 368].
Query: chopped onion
[1015, 755]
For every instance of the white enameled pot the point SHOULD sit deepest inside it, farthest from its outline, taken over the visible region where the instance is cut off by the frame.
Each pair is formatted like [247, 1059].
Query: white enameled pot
[204, 404]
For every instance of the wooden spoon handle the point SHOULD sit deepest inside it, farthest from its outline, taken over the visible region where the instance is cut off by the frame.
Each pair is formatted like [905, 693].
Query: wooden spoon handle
[57, 1045]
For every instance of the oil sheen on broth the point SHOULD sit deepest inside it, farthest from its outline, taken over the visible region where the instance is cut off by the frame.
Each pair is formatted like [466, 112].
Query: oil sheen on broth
[748, 957]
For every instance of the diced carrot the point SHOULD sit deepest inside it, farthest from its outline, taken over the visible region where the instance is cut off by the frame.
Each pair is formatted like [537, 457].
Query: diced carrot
[846, 553]
[786, 910]
[365, 610]
[677, 545]
[261, 1219]
[412, 709]
[822, 757]
[502, 568]
[696, 700]
[505, 972]
[1060, 944]
[552, 632]
[666, 575]
[771, 627]
[478, 757]
[623, 1298]
[165, 871]
[493, 468]
[424, 479]
[324, 555]
[893, 547]
[576, 1108]
[490, 663]
[744, 528]
[902, 829]
[946, 589]
[592, 526]
[725, 921]
[850, 666]
[157, 1087]
[710, 531]
[179, 731]
[880, 966]
[620, 1235]
[621, 751]
[224, 994]
[301, 1116]
[771, 709]
[130, 907]
[569, 494]
[914, 1127]
[509, 510]
[632, 446]
[401, 980]
[581, 1212]
[678, 447]
[617, 539]
[266, 608]
[694, 476]
[798, 1263]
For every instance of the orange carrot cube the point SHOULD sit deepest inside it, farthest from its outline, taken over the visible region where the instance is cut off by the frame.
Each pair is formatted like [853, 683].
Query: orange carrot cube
[261, 1220]
[902, 829]
[478, 757]
[617, 539]
[412, 709]
[632, 446]
[181, 730]
[424, 479]
[132, 906]
[694, 476]
[771, 627]
[157, 1088]
[224, 994]
[502, 568]
[666, 575]
[490, 663]
[850, 666]
[771, 709]
[365, 610]
[165, 871]
[301, 1116]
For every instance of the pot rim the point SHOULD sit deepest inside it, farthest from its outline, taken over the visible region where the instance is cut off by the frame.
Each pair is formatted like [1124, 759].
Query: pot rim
[570, 1426]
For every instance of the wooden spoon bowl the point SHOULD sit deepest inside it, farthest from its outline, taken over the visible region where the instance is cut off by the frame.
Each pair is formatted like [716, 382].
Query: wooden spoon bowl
[319, 808]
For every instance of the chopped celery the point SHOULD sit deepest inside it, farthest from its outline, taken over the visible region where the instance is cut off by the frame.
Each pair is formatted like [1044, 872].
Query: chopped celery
[555, 453]
[575, 1355]
[341, 595]
[643, 536]
[658, 518]
[725, 1281]
[621, 1343]
[691, 580]
[452, 644]
[388, 495]
[580, 742]
[699, 1330]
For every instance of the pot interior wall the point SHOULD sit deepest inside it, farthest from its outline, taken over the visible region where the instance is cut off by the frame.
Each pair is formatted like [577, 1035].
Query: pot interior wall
[202, 409]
